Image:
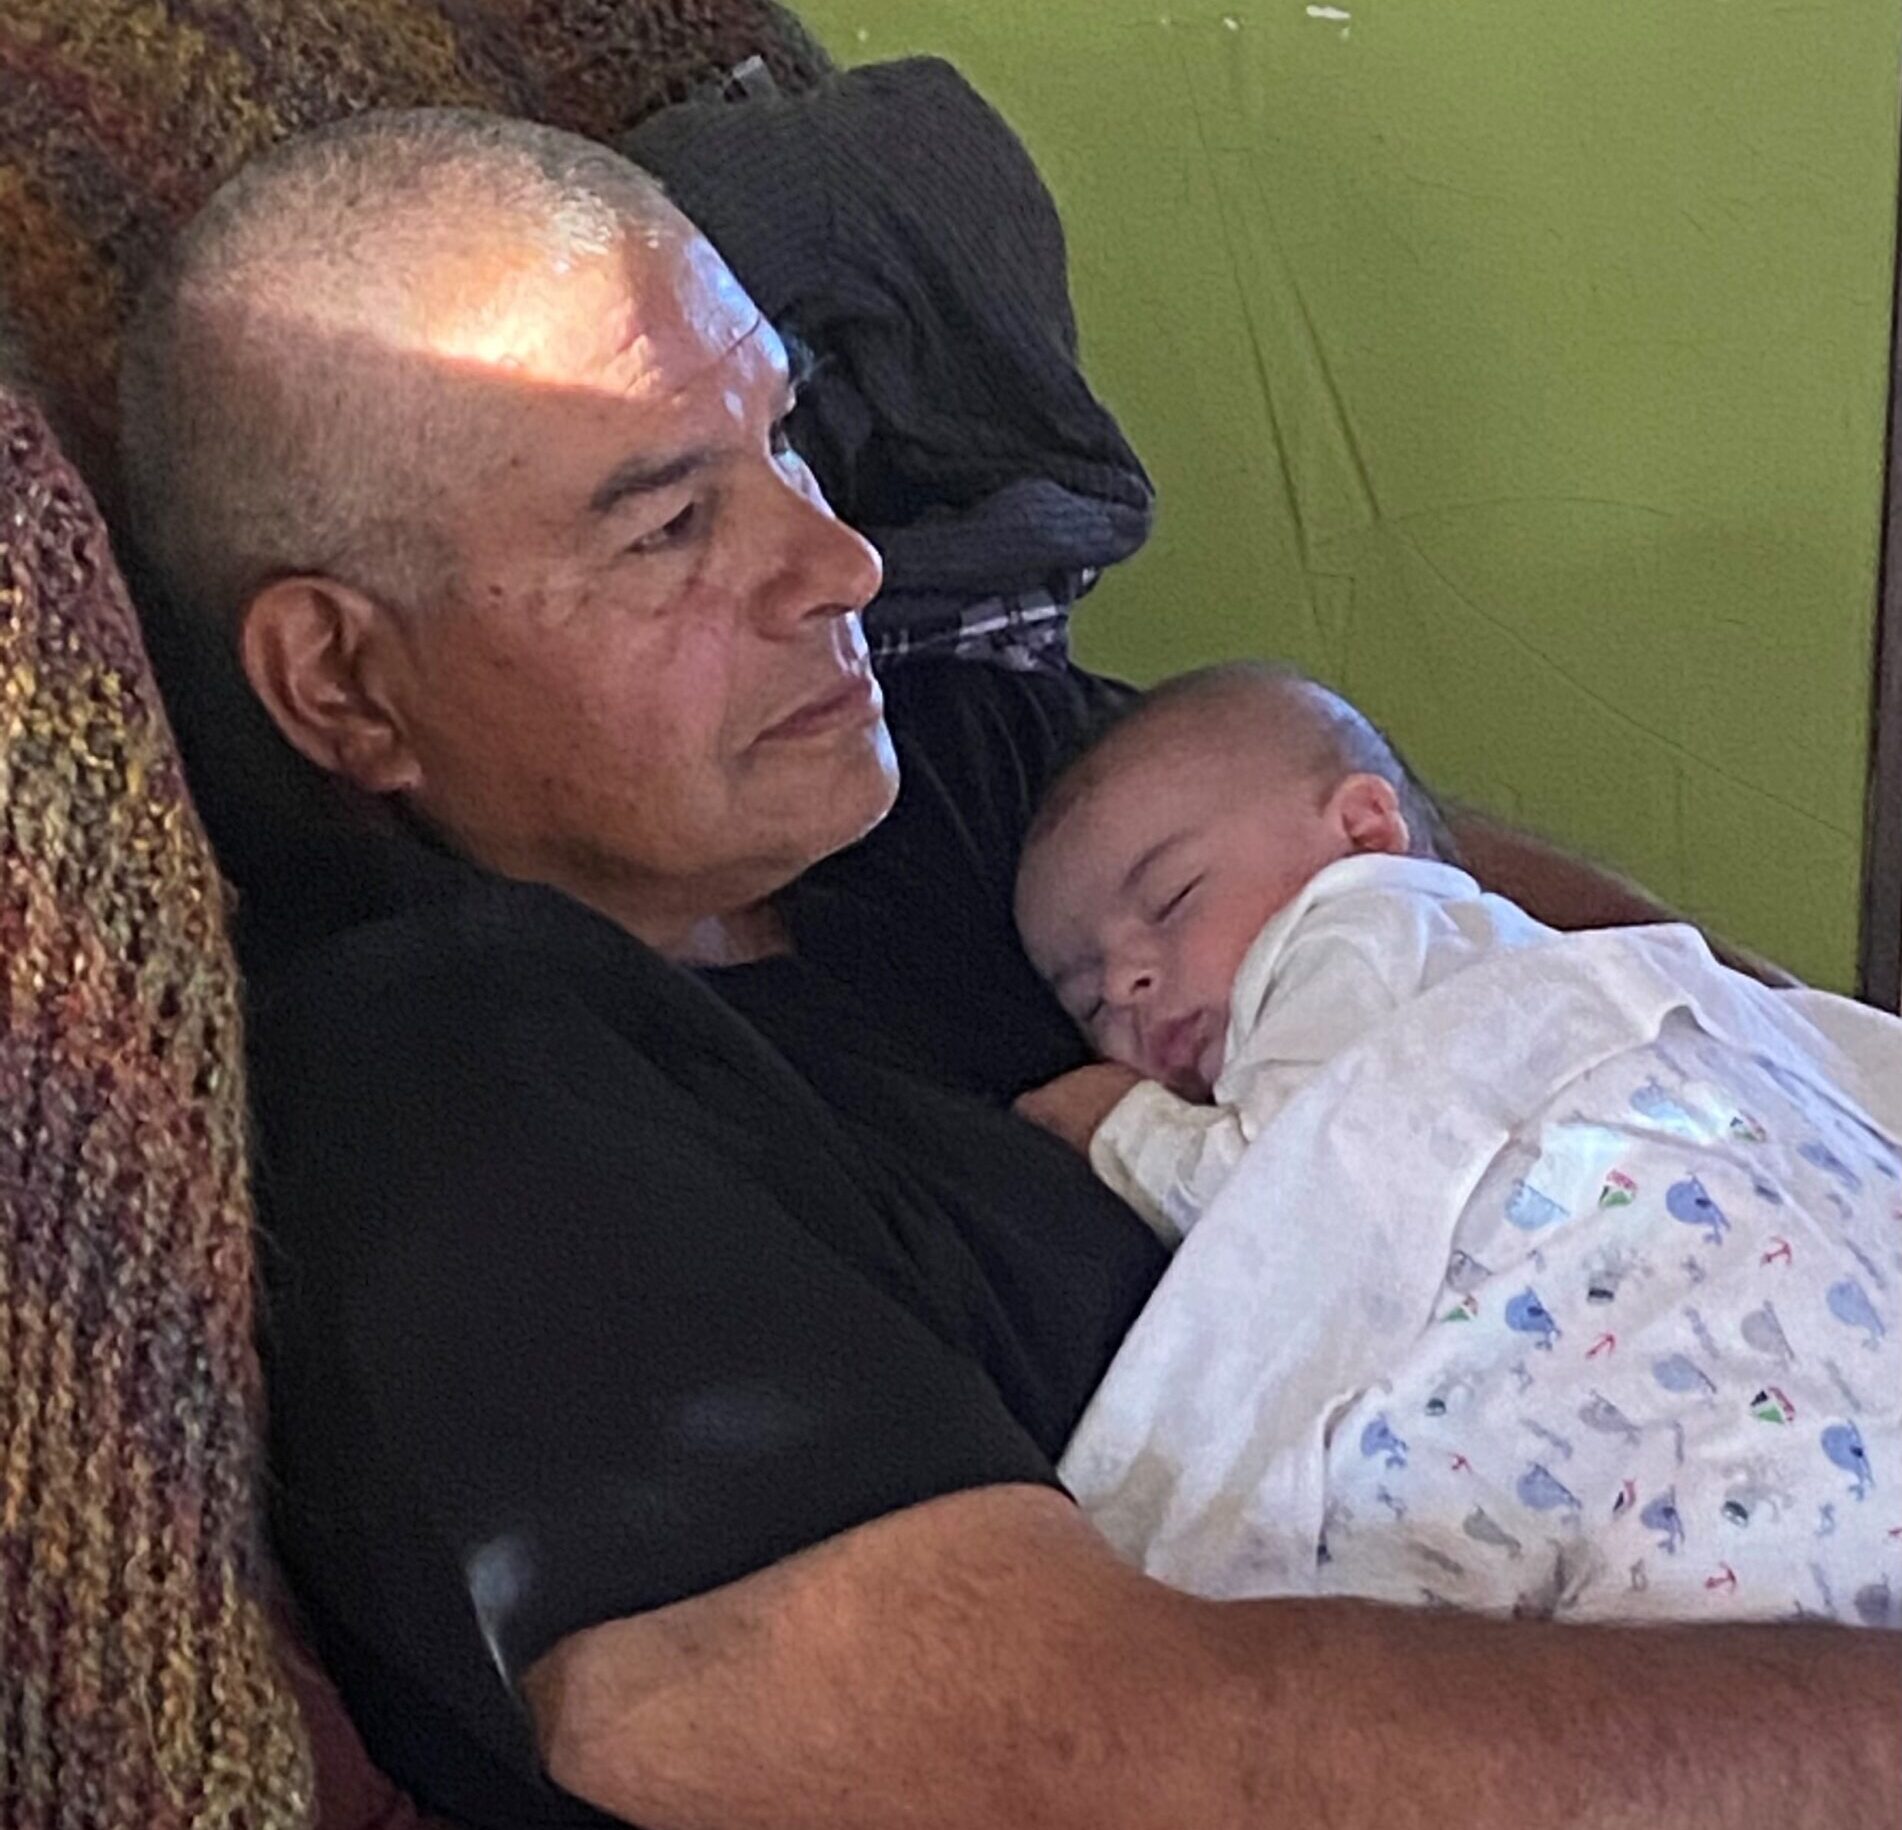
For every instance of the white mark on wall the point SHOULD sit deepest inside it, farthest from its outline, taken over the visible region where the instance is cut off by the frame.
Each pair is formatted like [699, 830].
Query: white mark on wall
[1231, 22]
[864, 35]
[1338, 14]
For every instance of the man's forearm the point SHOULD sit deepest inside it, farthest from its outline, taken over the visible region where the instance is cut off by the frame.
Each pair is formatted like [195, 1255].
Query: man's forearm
[1408, 1717]
[1569, 892]
[1556, 886]
[983, 1661]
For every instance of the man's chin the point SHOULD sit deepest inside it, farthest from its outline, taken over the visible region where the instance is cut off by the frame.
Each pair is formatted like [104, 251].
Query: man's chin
[863, 792]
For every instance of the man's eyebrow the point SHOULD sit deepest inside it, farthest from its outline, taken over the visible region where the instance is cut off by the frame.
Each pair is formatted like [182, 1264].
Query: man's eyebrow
[802, 361]
[640, 476]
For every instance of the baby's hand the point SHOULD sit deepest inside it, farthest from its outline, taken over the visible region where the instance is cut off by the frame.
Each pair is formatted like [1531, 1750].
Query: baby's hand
[1074, 1104]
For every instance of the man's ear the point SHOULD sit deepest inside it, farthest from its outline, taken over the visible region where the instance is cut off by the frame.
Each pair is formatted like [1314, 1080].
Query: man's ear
[1367, 811]
[317, 653]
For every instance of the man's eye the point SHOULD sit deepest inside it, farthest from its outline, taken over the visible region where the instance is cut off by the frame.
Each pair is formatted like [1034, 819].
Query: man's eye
[671, 534]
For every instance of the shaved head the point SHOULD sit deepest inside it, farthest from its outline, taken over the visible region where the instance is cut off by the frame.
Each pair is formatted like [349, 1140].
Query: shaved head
[287, 385]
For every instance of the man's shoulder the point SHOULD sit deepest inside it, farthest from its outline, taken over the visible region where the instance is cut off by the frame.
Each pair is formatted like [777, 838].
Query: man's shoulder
[424, 1083]
[488, 945]
[498, 992]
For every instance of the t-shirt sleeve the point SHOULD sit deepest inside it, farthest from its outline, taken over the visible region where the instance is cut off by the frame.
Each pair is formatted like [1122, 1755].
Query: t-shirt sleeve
[561, 1334]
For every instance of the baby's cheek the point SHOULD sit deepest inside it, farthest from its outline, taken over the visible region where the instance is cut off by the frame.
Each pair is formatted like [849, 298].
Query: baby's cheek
[1218, 947]
[1200, 964]
[1114, 1040]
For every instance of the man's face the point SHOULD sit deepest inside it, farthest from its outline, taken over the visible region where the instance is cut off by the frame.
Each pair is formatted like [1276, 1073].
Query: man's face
[649, 685]
[1140, 906]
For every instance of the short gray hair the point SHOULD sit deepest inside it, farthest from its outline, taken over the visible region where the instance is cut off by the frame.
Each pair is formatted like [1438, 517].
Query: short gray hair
[257, 441]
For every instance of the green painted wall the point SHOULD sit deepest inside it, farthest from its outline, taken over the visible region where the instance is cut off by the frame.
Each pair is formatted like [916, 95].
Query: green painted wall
[1519, 367]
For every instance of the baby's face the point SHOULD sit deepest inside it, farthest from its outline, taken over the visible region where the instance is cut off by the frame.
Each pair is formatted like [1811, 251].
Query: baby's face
[1140, 905]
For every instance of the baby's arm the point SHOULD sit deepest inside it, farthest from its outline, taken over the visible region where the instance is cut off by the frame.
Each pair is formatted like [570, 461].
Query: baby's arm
[1072, 1106]
[1163, 1155]
[1344, 970]
[1342, 974]
[1166, 1157]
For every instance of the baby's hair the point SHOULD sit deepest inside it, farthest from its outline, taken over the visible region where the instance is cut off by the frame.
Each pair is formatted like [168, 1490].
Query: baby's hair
[1326, 739]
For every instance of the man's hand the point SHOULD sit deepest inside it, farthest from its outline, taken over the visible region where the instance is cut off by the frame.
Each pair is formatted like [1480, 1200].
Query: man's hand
[984, 1660]
[1074, 1104]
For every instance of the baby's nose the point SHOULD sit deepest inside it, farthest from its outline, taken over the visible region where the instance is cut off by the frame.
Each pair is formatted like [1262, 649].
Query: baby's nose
[1131, 981]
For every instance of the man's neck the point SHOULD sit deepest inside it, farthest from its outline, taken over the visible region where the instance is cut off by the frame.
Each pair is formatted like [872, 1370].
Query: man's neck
[738, 939]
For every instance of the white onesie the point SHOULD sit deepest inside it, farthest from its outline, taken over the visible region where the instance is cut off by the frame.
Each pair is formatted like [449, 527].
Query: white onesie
[1556, 1273]
[1363, 937]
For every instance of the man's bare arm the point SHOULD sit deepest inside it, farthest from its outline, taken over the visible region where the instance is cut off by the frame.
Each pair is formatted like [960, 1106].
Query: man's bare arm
[983, 1661]
[1568, 892]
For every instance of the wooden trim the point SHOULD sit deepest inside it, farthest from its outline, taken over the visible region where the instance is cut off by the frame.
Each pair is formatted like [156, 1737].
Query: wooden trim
[1879, 952]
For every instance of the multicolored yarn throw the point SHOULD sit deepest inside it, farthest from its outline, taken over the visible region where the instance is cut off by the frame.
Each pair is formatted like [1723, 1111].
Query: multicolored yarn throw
[118, 118]
[137, 1685]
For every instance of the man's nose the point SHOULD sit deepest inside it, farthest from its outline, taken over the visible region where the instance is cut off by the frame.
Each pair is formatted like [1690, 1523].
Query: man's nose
[820, 566]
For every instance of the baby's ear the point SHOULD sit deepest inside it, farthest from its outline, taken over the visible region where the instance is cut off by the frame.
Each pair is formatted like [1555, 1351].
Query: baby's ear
[1367, 811]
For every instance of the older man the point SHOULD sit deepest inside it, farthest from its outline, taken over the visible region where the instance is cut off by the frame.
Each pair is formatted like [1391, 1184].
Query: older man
[672, 1330]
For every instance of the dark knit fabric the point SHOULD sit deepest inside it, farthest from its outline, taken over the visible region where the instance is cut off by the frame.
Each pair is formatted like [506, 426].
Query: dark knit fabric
[892, 221]
[137, 1685]
[118, 118]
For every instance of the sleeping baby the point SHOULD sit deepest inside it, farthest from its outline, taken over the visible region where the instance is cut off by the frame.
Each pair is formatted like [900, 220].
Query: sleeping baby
[1518, 1270]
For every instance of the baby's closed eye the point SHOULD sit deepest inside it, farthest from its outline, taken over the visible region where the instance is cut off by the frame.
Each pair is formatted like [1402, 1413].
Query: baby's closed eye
[1172, 903]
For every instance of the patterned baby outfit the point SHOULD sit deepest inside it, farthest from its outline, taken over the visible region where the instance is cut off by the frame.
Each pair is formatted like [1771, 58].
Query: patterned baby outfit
[1567, 1283]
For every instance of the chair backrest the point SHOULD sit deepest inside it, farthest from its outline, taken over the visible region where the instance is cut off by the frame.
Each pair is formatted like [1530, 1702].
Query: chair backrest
[137, 1681]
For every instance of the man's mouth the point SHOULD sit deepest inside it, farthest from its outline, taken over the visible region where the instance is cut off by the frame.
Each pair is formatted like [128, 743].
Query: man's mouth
[851, 700]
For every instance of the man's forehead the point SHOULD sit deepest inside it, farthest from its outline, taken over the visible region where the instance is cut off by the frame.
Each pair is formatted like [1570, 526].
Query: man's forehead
[638, 320]
[687, 313]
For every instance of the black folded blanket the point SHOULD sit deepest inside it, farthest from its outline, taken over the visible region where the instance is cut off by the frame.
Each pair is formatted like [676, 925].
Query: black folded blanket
[892, 222]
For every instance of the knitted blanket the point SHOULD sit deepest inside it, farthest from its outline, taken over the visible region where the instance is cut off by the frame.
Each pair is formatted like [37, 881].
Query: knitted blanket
[137, 1687]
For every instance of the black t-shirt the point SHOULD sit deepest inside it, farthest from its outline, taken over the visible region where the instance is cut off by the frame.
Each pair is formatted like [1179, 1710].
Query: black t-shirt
[595, 1283]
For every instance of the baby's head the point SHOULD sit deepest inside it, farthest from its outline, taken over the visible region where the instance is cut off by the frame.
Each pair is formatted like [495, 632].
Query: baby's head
[1163, 849]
